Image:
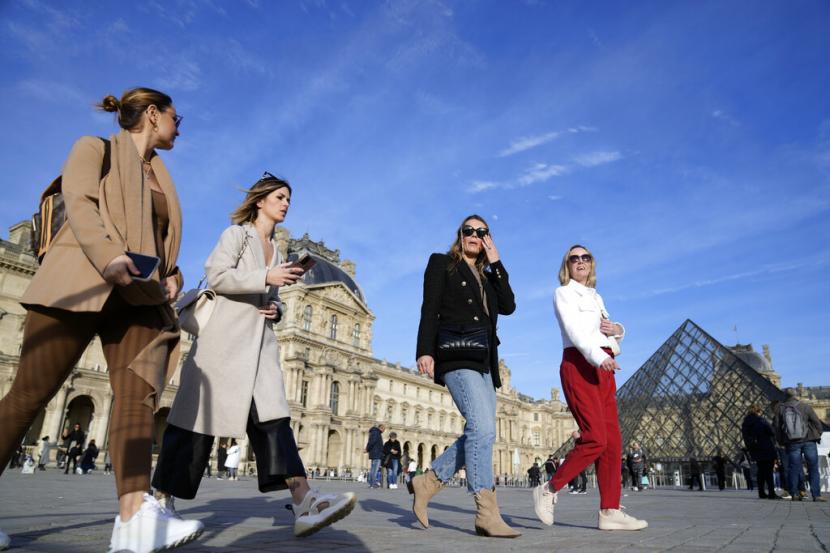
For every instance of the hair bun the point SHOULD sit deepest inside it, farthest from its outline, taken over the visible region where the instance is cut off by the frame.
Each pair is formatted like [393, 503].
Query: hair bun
[110, 103]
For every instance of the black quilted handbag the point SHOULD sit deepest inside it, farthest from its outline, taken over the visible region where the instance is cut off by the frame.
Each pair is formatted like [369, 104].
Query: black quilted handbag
[457, 343]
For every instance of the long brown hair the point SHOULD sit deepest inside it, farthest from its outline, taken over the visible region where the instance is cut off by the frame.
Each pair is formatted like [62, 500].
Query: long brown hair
[247, 211]
[456, 252]
[133, 104]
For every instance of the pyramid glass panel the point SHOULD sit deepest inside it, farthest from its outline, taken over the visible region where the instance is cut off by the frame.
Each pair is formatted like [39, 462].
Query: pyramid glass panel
[689, 399]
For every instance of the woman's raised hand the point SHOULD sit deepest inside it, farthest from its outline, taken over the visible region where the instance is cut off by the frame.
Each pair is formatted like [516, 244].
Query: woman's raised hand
[490, 249]
[426, 365]
[610, 365]
[284, 273]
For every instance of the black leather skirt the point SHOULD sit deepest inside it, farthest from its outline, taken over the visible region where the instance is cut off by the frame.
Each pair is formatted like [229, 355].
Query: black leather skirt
[185, 454]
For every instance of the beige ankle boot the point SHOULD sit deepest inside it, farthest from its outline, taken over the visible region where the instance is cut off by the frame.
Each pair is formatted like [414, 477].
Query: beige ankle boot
[488, 518]
[424, 486]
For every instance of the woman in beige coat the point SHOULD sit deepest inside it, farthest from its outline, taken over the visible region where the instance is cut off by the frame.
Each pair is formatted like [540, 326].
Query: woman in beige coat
[232, 383]
[119, 198]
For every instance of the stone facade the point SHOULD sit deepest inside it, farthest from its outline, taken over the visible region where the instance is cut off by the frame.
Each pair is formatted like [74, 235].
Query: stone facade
[337, 389]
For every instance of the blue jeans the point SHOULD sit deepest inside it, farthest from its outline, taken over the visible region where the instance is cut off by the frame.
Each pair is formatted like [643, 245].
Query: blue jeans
[374, 473]
[392, 472]
[810, 451]
[475, 397]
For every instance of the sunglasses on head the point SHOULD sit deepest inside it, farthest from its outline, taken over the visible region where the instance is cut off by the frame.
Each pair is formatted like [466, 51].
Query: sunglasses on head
[585, 258]
[267, 176]
[481, 232]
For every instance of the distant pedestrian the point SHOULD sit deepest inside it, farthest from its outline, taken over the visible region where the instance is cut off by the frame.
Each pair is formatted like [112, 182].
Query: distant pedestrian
[45, 450]
[221, 457]
[696, 476]
[719, 462]
[550, 469]
[88, 458]
[107, 462]
[745, 464]
[374, 448]
[636, 463]
[73, 441]
[759, 438]
[591, 341]
[534, 475]
[392, 460]
[232, 460]
[799, 429]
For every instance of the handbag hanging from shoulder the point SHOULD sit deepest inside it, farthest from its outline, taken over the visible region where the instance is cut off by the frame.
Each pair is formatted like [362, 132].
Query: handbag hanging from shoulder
[459, 343]
[195, 307]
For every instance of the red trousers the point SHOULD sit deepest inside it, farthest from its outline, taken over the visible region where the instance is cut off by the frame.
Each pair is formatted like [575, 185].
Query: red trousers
[591, 394]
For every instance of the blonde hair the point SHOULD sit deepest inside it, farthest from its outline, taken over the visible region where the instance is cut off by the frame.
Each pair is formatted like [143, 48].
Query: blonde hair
[565, 270]
[247, 211]
[133, 104]
[456, 252]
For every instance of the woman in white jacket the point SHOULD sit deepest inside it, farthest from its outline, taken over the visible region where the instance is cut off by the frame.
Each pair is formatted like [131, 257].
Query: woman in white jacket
[232, 460]
[232, 383]
[590, 341]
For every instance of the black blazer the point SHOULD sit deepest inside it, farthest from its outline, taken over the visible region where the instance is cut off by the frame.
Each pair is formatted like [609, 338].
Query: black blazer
[451, 296]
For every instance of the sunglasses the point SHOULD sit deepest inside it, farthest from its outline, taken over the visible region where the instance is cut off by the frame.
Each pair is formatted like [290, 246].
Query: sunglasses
[481, 232]
[177, 119]
[585, 258]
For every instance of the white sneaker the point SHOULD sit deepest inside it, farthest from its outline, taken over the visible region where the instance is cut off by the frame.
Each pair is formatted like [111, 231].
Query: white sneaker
[168, 503]
[393, 487]
[152, 529]
[4, 541]
[309, 520]
[544, 501]
[616, 519]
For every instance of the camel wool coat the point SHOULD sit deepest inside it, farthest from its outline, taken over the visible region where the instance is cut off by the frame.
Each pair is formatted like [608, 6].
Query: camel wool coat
[235, 358]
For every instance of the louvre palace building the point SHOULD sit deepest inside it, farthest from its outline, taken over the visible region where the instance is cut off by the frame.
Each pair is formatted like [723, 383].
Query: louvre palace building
[337, 389]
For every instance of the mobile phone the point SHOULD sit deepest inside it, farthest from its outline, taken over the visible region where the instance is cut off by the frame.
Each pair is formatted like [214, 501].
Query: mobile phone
[146, 264]
[305, 263]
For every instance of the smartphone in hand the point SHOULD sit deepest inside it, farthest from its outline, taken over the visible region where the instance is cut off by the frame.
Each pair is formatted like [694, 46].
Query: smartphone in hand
[305, 263]
[146, 264]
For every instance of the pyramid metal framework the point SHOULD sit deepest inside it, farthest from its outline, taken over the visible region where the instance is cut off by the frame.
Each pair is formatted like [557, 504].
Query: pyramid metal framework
[689, 399]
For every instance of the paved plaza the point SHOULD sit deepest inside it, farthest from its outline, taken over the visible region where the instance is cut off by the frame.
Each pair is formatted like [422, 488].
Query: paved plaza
[50, 512]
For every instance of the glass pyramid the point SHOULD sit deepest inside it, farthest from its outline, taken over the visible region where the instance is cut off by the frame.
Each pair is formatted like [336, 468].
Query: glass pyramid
[689, 399]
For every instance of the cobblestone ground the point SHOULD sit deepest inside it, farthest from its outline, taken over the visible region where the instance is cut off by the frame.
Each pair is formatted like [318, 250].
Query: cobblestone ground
[50, 512]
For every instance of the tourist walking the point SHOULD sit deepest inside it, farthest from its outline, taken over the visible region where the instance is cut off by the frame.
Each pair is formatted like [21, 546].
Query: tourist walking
[232, 461]
[232, 383]
[118, 198]
[590, 341]
[465, 290]
[392, 460]
[45, 450]
[636, 460]
[221, 458]
[374, 448]
[534, 475]
[550, 468]
[799, 429]
[719, 462]
[759, 439]
[695, 472]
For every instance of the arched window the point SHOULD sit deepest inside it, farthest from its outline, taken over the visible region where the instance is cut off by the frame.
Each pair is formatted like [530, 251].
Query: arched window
[356, 334]
[307, 318]
[333, 329]
[334, 398]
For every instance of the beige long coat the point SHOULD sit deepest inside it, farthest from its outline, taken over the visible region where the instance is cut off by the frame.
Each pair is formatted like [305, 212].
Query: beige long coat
[235, 359]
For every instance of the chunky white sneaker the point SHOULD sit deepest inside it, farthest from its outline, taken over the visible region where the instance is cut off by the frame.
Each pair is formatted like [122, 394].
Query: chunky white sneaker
[4, 541]
[543, 502]
[308, 518]
[152, 529]
[616, 519]
[168, 503]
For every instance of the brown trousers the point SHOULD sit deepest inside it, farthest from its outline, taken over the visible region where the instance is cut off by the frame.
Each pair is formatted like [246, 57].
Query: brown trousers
[53, 341]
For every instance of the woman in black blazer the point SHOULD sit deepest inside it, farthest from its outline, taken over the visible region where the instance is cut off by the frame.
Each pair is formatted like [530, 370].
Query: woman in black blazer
[465, 290]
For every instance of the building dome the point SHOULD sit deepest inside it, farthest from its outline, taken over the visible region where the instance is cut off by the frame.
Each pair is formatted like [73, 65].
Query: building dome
[324, 272]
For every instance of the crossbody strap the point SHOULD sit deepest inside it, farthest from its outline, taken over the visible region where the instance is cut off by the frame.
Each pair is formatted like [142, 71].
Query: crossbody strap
[235, 263]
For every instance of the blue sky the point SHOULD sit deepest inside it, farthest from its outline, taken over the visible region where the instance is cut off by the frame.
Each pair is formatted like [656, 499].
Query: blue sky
[686, 143]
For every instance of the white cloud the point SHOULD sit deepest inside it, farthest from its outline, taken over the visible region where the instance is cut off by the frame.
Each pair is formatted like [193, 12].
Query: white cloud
[541, 172]
[482, 185]
[593, 159]
[721, 115]
[528, 142]
[555, 198]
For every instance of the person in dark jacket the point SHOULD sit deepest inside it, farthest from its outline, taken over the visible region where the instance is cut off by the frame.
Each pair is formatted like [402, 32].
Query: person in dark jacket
[534, 474]
[89, 456]
[73, 441]
[465, 290]
[221, 457]
[374, 447]
[796, 446]
[720, 469]
[759, 441]
[695, 470]
[392, 460]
